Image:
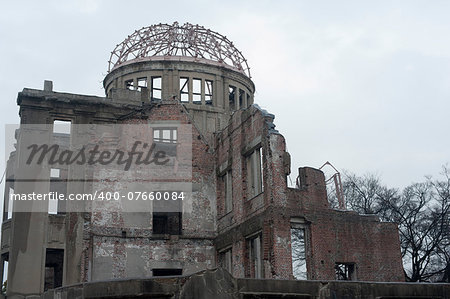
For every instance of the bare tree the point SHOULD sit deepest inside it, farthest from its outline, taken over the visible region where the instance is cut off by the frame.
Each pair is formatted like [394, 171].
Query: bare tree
[419, 233]
[366, 194]
[422, 213]
[298, 253]
[441, 211]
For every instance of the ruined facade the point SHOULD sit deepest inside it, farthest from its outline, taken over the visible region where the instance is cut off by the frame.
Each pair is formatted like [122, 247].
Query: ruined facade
[239, 213]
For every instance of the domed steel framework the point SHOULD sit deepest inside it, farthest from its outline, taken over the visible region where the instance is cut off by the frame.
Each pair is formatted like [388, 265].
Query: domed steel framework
[178, 40]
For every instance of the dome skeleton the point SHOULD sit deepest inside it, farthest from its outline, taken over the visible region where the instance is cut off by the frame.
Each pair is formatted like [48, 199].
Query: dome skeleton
[180, 41]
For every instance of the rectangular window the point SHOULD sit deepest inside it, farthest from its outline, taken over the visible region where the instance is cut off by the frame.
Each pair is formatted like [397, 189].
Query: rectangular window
[5, 259]
[345, 271]
[167, 223]
[62, 127]
[55, 173]
[228, 191]
[156, 92]
[255, 173]
[58, 185]
[165, 140]
[298, 250]
[197, 91]
[142, 83]
[167, 272]
[226, 260]
[8, 204]
[231, 96]
[255, 257]
[54, 260]
[129, 84]
[167, 217]
[184, 90]
[208, 92]
[165, 135]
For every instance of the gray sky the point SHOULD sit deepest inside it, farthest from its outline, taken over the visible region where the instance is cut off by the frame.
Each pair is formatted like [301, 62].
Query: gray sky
[362, 84]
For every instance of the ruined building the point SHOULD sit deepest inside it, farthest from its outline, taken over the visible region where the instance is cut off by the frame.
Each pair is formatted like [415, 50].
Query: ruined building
[166, 83]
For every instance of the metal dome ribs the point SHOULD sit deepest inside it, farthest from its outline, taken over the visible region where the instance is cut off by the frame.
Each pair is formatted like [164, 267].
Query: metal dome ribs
[181, 41]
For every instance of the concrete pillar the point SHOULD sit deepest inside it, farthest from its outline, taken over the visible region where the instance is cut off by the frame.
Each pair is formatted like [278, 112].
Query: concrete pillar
[48, 85]
[236, 98]
[202, 88]
[245, 99]
[190, 90]
[225, 94]
[9, 176]
[165, 85]
[175, 91]
[218, 100]
[27, 255]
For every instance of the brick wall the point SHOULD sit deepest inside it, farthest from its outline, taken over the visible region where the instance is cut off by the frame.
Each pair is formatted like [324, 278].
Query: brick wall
[122, 249]
[332, 236]
[337, 236]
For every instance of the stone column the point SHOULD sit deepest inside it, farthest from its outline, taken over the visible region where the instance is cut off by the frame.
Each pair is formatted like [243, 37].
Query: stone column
[26, 267]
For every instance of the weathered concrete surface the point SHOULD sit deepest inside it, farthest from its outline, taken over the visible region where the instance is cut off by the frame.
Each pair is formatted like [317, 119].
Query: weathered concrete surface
[219, 284]
[254, 288]
[216, 283]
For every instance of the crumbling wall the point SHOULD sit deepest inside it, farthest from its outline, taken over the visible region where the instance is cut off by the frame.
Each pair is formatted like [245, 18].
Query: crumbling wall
[123, 243]
[115, 245]
[337, 236]
[258, 215]
[331, 236]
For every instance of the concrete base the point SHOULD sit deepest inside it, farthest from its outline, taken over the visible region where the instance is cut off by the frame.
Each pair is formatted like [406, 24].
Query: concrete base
[218, 284]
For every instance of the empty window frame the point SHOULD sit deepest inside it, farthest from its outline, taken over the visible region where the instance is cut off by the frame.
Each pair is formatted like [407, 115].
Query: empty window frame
[54, 180]
[4, 273]
[8, 200]
[167, 272]
[141, 83]
[197, 91]
[167, 217]
[298, 251]
[55, 173]
[226, 259]
[165, 140]
[248, 100]
[165, 135]
[208, 92]
[184, 90]
[255, 173]
[156, 92]
[345, 271]
[54, 259]
[232, 97]
[62, 127]
[227, 180]
[129, 84]
[58, 185]
[167, 223]
[255, 256]
[10, 204]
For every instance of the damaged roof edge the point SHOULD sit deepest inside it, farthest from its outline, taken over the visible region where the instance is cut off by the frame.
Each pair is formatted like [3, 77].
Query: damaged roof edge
[267, 115]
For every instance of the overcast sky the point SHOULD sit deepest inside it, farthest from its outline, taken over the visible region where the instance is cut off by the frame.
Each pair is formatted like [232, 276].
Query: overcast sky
[365, 86]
